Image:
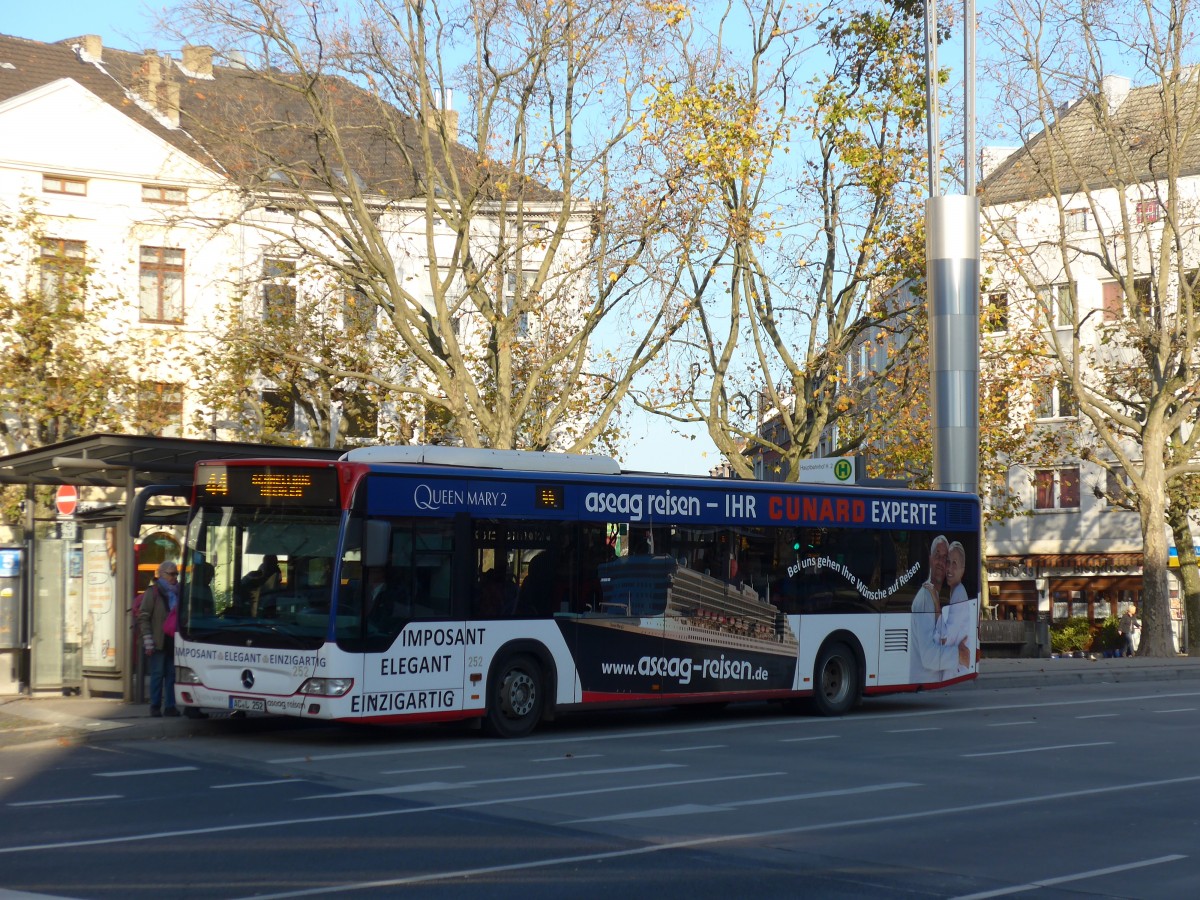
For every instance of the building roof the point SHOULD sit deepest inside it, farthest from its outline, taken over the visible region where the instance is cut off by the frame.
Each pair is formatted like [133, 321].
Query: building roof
[1073, 154]
[246, 124]
[27, 65]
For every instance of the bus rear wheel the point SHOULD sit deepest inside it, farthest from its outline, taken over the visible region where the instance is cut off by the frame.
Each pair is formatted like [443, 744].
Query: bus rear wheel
[835, 680]
[516, 699]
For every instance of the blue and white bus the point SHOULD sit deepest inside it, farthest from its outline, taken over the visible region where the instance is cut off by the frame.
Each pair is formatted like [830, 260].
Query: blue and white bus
[417, 584]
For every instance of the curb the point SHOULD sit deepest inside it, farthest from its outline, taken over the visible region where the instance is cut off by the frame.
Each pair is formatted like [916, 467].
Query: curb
[1047, 675]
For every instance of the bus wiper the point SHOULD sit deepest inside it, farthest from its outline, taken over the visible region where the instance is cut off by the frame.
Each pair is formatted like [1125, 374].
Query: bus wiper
[273, 629]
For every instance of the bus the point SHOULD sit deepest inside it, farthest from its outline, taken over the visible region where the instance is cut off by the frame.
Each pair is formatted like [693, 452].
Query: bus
[430, 584]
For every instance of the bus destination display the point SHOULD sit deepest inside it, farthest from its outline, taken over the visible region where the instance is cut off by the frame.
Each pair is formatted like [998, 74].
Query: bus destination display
[268, 485]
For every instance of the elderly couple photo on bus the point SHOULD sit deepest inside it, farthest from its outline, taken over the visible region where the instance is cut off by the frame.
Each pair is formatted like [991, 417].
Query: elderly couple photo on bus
[944, 620]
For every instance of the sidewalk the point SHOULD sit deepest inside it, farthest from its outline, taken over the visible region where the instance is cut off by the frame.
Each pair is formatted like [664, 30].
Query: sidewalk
[75, 720]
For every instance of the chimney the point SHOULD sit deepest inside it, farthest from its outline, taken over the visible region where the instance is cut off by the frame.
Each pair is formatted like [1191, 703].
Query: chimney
[1115, 89]
[991, 157]
[447, 117]
[168, 101]
[197, 60]
[93, 47]
[147, 78]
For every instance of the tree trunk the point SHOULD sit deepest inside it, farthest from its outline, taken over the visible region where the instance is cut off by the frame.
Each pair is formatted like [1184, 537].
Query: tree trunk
[1189, 574]
[1155, 613]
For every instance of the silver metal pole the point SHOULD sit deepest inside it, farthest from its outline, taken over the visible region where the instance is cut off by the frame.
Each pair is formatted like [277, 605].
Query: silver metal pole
[969, 98]
[932, 113]
[952, 273]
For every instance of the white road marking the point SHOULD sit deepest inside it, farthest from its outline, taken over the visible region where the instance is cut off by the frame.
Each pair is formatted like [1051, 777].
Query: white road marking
[691, 809]
[1008, 724]
[1064, 879]
[415, 771]
[68, 800]
[1184, 709]
[568, 757]
[380, 813]
[913, 730]
[453, 785]
[1099, 716]
[246, 784]
[816, 737]
[132, 772]
[635, 733]
[690, 749]
[713, 840]
[1037, 749]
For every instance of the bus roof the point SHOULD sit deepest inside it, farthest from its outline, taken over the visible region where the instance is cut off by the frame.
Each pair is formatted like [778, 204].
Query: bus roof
[470, 457]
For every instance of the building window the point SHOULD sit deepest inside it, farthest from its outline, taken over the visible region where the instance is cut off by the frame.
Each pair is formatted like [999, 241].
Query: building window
[159, 408]
[995, 312]
[279, 412]
[517, 288]
[1055, 400]
[279, 287]
[1056, 488]
[1078, 219]
[161, 193]
[1114, 298]
[1055, 300]
[160, 285]
[62, 273]
[358, 314]
[1116, 488]
[58, 184]
[1113, 306]
[360, 416]
[1006, 231]
[1148, 212]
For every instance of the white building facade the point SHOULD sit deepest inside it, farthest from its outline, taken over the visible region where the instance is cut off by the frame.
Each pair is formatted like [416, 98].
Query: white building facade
[1053, 256]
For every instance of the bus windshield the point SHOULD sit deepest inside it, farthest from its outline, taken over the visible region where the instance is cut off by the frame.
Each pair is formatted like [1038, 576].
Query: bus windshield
[260, 577]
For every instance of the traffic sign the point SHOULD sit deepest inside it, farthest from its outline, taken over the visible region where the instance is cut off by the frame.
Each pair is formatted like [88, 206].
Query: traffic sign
[828, 470]
[66, 498]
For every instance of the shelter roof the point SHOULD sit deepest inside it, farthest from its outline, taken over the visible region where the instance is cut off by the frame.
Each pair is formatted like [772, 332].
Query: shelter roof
[107, 459]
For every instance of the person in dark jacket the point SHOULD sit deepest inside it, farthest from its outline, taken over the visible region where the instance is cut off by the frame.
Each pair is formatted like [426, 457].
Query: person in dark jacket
[1126, 627]
[156, 619]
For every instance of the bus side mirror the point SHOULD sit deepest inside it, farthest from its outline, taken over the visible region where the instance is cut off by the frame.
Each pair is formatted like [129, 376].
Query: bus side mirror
[377, 543]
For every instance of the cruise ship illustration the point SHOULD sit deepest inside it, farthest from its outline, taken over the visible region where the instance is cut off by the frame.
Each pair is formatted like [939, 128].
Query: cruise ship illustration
[656, 596]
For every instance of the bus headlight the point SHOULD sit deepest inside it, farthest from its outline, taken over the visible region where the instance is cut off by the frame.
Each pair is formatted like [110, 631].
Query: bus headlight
[184, 675]
[327, 687]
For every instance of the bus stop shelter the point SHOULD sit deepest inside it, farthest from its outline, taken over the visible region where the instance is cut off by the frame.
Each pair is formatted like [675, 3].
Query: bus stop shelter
[67, 583]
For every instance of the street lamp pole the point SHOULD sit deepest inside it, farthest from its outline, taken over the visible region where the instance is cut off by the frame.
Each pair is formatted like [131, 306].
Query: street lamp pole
[952, 281]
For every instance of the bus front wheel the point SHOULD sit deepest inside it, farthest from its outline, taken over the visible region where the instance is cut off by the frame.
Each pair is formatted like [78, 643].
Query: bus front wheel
[835, 680]
[517, 698]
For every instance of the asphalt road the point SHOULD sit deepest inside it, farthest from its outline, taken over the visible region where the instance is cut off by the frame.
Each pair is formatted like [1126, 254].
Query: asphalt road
[1086, 789]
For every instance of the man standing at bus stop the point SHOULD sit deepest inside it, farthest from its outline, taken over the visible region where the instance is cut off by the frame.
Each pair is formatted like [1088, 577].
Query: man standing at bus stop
[158, 617]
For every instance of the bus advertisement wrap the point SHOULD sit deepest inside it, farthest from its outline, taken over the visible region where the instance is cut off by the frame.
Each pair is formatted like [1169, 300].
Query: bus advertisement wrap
[433, 584]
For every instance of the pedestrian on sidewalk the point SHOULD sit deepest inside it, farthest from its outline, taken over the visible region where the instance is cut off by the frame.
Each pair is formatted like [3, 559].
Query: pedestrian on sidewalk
[1126, 627]
[158, 619]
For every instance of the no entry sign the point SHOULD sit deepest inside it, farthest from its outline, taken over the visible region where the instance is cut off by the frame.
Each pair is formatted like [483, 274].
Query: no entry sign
[66, 499]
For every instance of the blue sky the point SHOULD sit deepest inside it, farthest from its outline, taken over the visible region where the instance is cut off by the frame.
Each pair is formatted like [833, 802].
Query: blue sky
[121, 23]
[129, 25]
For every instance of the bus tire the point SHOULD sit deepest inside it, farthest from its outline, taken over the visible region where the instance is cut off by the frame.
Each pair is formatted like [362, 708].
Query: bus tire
[835, 681]
[516, 698]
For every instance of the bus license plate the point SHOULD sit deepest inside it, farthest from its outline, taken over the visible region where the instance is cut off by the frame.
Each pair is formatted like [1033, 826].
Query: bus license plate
[248, 704]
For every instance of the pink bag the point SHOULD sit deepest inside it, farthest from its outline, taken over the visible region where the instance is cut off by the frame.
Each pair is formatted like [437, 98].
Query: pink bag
[171, 623]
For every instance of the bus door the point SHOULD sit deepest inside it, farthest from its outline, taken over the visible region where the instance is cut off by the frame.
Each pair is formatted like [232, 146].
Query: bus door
[415, 645]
